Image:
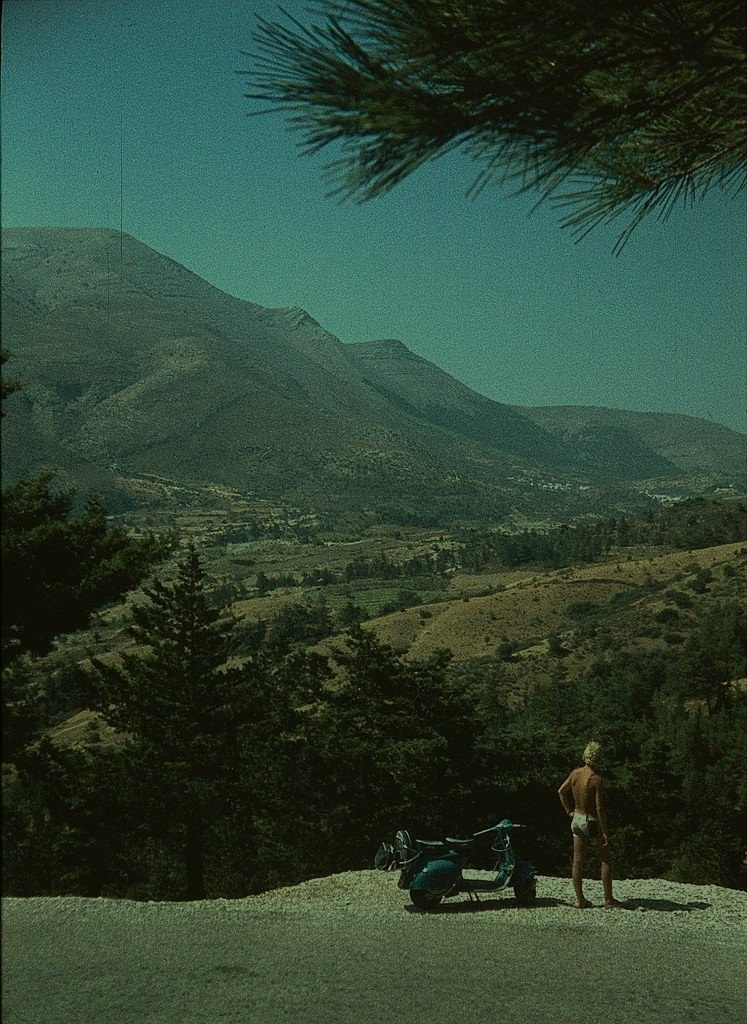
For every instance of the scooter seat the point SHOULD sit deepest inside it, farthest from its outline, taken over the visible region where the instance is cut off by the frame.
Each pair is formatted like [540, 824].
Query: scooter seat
[430, 844]
[458, 844]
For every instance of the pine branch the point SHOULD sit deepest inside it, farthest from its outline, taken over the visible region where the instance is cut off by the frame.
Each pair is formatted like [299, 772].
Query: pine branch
[605, 109]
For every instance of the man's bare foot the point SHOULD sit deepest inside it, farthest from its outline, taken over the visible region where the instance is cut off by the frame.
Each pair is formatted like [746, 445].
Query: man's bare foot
[583, 904]
[613, 905]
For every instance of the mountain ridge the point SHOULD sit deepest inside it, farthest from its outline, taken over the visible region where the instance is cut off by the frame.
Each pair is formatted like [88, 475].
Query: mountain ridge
[672, 433]
[133, 364]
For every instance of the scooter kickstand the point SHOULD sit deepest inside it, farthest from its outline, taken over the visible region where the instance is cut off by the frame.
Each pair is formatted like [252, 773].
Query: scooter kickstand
[473, 897]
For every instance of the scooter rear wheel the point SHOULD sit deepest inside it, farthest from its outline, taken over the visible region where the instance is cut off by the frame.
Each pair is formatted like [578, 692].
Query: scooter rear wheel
[424, 900]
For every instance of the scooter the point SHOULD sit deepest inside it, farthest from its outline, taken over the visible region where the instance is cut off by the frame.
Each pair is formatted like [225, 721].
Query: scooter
[433, 869]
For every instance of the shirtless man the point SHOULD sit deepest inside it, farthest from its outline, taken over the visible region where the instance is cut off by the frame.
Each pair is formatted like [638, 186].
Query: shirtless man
[588, 817]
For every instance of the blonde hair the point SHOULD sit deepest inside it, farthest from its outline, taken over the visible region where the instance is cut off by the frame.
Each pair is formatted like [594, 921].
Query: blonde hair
[592, 753]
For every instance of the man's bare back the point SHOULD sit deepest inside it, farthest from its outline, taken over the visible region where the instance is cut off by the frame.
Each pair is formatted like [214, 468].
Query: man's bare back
[586, 787]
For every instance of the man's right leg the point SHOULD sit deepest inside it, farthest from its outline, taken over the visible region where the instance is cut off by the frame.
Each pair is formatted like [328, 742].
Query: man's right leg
[579, 849]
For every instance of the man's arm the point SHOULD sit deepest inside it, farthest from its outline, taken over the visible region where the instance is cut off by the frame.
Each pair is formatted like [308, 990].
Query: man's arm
[563, 792]
[601, 812]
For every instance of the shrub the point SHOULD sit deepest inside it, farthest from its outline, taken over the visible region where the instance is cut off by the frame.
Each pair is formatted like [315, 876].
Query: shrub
[506, 649]
[667, 616]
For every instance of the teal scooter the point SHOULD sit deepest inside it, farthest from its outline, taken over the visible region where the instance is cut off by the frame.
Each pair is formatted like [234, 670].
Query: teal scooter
[433, 869]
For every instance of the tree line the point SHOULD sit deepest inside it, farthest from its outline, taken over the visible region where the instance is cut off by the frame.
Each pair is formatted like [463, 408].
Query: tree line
[692, 524]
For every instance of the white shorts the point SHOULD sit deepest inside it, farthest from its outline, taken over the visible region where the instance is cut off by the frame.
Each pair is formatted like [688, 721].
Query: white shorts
[584, 826]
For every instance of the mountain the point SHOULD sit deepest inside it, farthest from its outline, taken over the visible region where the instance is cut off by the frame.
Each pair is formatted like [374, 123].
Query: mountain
[692, 445]
[133, 366]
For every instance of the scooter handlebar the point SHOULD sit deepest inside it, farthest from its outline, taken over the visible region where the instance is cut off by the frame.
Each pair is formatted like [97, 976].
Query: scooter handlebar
[505, 824]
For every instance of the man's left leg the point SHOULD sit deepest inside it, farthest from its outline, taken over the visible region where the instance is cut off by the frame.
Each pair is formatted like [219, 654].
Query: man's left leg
[605, 859]
[579, 849]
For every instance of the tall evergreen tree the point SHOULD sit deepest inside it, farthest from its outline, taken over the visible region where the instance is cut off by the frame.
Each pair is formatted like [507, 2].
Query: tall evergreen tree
[181, 707]
[394, 746]
[624, 106]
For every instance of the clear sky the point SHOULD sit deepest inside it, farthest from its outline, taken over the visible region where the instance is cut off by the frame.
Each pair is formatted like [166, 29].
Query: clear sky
[502, 299]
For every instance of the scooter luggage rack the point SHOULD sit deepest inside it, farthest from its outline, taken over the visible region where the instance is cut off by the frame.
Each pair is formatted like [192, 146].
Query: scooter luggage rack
[432, 845]
[464, 843]
[421, 846]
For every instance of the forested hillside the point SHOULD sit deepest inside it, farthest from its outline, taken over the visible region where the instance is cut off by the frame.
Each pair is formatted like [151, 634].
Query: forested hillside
[222, 762]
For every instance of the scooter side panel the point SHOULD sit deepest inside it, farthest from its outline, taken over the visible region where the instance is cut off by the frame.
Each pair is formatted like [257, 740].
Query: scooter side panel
[437, 876]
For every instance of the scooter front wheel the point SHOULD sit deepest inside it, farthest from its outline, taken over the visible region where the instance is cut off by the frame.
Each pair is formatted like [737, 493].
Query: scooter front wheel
[526, 893]
[424, 900]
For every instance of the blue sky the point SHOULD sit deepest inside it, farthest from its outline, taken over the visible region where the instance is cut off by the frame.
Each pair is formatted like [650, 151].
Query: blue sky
[501, 298]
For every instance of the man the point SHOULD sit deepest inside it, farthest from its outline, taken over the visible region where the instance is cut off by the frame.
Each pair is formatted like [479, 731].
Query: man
[588, 823]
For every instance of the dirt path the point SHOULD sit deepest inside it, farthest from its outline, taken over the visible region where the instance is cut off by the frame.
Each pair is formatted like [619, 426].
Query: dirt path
[70, 961]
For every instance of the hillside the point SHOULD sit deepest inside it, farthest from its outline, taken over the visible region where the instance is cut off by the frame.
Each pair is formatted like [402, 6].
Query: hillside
[135, 370]
[535, 624]
[633, 642]
[517, 627]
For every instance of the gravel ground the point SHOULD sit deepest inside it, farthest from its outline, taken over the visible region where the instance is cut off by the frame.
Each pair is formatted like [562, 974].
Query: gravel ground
[350, 949]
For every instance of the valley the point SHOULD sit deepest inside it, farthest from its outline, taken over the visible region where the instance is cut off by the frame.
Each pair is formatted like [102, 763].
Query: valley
[516, 627]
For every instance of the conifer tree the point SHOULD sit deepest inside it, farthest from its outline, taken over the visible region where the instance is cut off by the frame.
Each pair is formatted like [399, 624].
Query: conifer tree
[58, 567]
[211, 742]
[181, 707]
[394, 744]
[609, 108]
